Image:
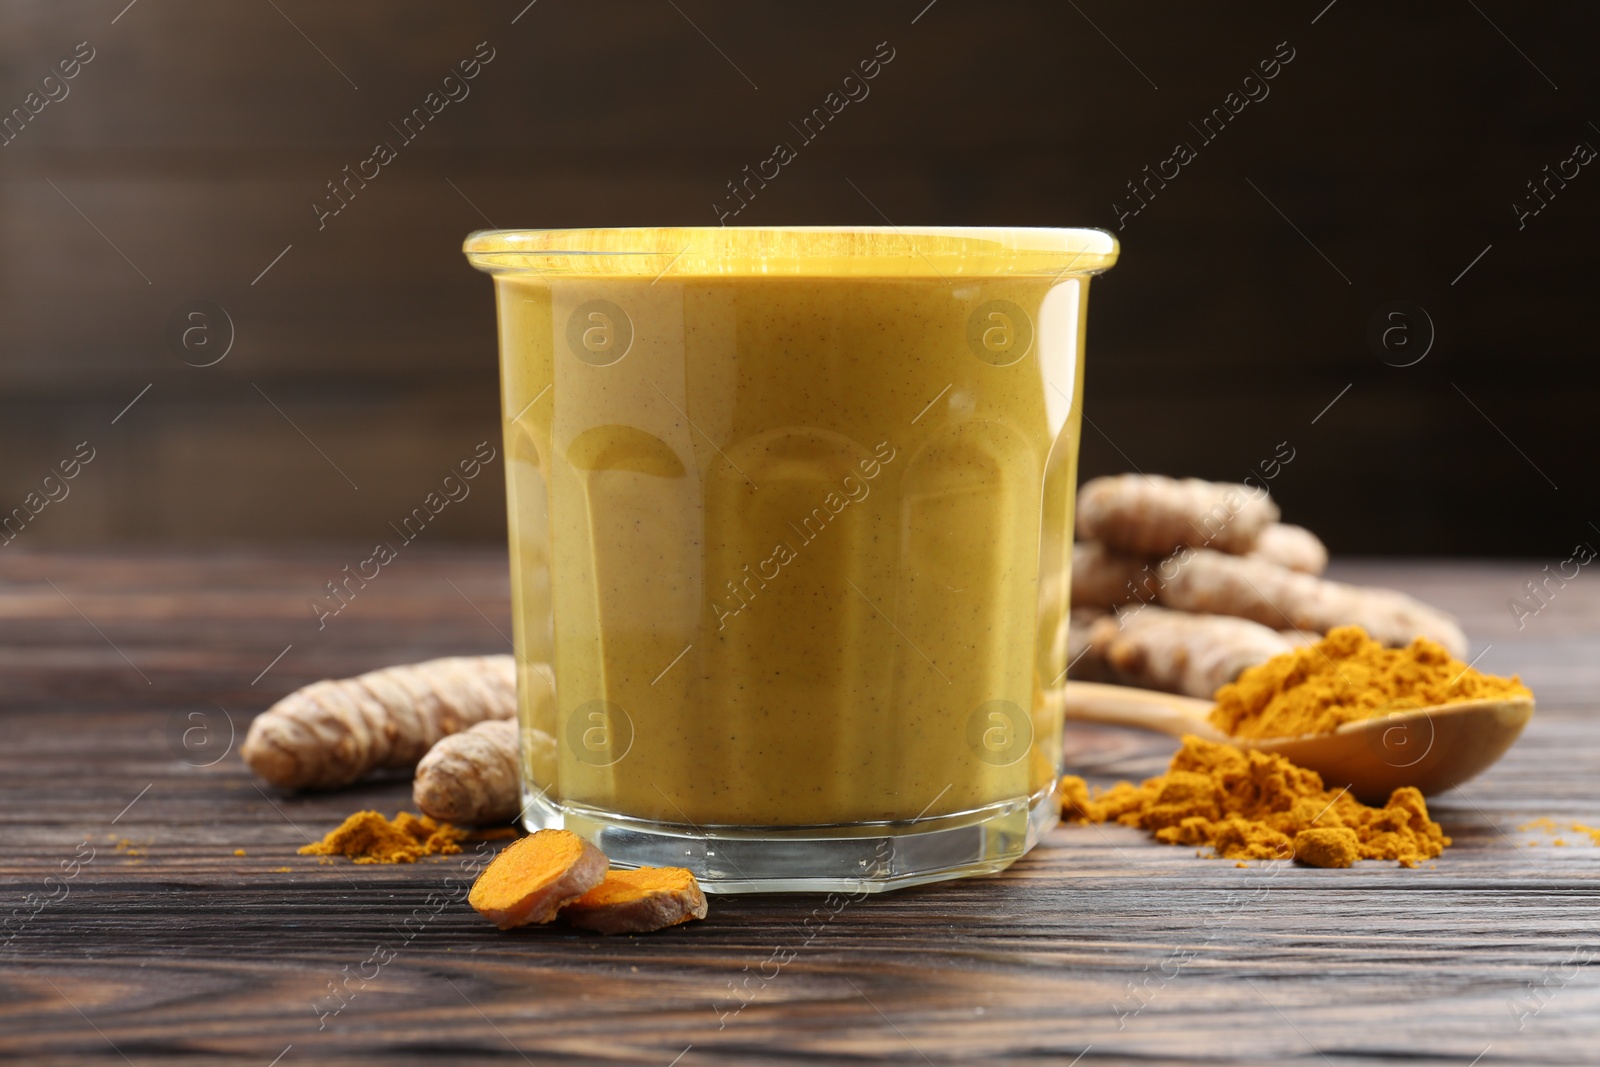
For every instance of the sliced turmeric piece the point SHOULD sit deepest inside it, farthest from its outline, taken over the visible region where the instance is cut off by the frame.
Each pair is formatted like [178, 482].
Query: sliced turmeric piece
[636, 902]
[535, 877]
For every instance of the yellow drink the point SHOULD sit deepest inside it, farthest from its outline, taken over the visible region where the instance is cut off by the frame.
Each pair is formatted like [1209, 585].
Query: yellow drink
[790, 518]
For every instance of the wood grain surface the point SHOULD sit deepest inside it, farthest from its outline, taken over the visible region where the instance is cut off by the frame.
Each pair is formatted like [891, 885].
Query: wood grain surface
[122, 674]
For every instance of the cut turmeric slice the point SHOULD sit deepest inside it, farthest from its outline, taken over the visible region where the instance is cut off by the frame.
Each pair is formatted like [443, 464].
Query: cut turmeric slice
[636, 902]
[534, 877]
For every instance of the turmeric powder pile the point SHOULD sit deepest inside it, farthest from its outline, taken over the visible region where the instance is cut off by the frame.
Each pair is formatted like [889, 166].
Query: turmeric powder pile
[1348, 677]
[1258, 805]
[367, 837]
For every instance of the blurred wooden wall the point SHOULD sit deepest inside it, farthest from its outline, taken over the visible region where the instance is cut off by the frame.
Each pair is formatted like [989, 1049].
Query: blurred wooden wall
[187, 153]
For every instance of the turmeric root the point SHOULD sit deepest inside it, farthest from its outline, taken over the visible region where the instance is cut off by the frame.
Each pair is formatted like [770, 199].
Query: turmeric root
[534, 877]
[1180, 653]
[1103, 578]
[1294, 547]
[471, 778]
[636, 902]
[330, 733]
[1075, 648]
[1149, 514]
[1205, 581]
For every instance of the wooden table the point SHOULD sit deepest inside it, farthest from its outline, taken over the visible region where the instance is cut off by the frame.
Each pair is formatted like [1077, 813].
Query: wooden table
[121, 676]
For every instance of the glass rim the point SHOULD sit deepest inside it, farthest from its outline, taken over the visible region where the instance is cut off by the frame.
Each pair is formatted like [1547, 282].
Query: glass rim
[826, 251]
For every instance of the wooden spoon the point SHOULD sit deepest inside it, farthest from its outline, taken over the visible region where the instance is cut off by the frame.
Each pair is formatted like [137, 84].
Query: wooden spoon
[1433, 748]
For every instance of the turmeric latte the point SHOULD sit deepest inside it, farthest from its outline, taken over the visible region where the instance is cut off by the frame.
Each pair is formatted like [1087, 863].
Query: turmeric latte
[1348, 677]
[792, 534]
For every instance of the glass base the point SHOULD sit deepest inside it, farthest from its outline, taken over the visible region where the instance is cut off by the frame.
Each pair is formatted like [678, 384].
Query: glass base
[855, 858]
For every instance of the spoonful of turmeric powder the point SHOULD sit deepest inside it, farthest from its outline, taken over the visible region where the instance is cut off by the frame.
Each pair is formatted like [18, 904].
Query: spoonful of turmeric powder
[1357, 713]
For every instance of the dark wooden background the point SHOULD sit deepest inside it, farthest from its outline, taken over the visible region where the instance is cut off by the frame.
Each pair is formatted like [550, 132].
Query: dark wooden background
[1385, 159]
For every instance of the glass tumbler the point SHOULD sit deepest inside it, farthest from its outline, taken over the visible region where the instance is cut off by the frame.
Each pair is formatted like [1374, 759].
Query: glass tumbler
[790, 525]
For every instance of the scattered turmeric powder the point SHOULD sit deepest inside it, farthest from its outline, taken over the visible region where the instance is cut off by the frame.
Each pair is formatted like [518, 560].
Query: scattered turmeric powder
[238, 852]
[535, 877]
[639, 901]
[367, 837]
[332, 732]
[1348, 677]
[1258, 805]
[1549, 825]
